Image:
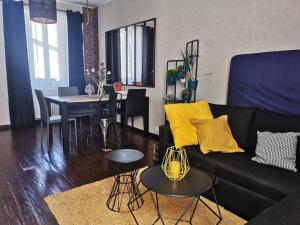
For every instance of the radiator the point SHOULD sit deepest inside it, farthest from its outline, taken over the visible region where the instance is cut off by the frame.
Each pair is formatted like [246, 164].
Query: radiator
[51, 92]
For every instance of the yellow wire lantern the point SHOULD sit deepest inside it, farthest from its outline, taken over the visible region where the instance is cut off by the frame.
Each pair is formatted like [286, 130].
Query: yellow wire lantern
[175, 164]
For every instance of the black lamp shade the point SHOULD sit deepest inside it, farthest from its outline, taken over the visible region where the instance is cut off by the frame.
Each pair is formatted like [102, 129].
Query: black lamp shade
[43, 11]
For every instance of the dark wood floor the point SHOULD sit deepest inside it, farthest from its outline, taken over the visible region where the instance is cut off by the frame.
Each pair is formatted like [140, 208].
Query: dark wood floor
[26, 177]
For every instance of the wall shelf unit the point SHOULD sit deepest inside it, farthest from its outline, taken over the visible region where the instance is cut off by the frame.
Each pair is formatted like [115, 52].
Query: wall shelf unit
[186, 75]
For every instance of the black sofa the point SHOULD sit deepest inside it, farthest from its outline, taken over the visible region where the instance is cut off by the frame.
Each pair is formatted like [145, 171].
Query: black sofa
[251, 190]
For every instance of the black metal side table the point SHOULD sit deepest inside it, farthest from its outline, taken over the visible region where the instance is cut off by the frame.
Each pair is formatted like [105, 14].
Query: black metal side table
[193, 185]
[125, 183]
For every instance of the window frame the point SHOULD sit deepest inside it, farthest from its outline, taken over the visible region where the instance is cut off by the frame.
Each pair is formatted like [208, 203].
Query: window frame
[62, 55]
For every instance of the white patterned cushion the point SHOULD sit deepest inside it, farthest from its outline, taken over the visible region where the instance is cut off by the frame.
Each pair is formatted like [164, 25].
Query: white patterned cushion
[277, 149]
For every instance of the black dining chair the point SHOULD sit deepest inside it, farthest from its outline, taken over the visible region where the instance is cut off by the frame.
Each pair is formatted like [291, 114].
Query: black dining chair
[78, 111]
[108, 89]
[108, 117]
[48, 119]
[135, 105]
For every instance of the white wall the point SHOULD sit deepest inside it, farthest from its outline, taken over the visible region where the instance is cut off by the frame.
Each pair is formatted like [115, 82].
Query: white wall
[4, 111]
[224, 27]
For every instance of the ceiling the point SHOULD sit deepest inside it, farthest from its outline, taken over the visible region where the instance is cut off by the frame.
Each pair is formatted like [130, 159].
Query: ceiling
[92, 3]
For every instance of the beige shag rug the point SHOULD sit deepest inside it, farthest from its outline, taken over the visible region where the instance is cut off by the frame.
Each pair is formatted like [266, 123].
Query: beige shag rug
[86, 205]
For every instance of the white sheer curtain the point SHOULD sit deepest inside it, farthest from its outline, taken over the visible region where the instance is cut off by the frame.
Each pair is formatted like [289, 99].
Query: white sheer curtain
[48, 55]
[131, 40]
[139, 53]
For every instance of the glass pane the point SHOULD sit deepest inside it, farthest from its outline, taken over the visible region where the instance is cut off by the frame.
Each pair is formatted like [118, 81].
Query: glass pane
[139, 57]
[39, 65]
[123, 54]
[37, 31]
[54, 65]
[130, 52]
[52, 35]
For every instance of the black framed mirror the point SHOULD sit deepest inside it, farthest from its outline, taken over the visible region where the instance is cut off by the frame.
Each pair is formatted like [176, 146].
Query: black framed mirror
[130, 54]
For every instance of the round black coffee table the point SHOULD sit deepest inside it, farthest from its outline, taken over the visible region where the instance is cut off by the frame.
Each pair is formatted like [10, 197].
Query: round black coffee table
[193, 185]
[125, 183]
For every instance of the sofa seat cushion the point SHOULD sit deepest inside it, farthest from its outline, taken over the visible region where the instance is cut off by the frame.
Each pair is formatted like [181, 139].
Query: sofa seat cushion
[238, 168]
[286, 211]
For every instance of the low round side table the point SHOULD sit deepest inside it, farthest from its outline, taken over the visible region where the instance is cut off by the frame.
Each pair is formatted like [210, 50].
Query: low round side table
[193, 185]
[125, 183]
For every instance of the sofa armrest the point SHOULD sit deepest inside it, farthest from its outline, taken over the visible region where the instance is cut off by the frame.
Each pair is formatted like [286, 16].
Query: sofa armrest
[165, 139]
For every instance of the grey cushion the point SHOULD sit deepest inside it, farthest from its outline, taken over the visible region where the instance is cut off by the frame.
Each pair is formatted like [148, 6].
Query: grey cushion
[277, 149]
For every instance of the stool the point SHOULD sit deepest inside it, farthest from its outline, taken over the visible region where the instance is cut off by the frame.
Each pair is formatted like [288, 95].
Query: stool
[125, 184]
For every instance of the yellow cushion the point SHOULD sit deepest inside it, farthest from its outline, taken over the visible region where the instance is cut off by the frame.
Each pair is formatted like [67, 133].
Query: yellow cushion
[215, 135]
[179, 115]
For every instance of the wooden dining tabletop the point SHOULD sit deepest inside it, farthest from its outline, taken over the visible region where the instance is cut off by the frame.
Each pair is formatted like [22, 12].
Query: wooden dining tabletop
[82, 98]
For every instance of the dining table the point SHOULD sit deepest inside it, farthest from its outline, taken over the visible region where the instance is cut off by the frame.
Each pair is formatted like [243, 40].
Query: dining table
[66, 102]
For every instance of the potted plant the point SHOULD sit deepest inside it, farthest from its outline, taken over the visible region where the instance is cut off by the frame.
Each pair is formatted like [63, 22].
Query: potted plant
[171, 77]
[180, 72]
[185, 95]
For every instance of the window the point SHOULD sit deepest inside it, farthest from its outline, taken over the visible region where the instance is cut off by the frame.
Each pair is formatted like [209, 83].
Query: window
[47, 48]
[130, 53]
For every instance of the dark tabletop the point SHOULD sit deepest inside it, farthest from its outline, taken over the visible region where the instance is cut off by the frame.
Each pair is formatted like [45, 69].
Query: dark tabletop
[125, 156]
[194, 184]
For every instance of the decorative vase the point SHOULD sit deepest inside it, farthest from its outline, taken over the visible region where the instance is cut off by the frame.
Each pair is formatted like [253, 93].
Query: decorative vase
[118, 86]
[192, 84]
[89, 89]
[175, 164]
[171, 80]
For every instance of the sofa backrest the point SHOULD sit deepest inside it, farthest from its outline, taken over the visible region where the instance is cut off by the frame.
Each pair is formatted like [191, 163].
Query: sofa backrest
[273, 122]
[239, 119]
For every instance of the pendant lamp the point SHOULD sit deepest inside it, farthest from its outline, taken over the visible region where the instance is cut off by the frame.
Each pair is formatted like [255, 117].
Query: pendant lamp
[43, 11]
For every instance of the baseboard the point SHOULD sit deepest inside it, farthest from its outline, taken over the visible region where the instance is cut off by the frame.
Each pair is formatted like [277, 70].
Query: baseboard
[141, 131]
[5, 127]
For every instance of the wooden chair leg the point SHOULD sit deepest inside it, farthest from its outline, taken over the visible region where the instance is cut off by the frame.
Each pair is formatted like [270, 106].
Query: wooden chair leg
[75, 131]
[91, 125]
[48, 142]
[42, 134]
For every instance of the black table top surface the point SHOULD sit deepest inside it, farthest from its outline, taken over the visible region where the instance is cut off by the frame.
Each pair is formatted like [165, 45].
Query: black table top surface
[195, 183]
[125, 156]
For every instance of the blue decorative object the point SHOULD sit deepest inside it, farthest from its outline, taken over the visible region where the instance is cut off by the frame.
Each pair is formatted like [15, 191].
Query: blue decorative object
[43, 11]
[192, 84]
[186, 96]
[179, 75]
[171, 80]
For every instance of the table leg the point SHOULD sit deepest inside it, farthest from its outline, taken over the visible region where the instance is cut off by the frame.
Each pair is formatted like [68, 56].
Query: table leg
[65, 127]
[146, 116]
[156, 206]
[186, 210]
[218, 214]
[132, 202]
